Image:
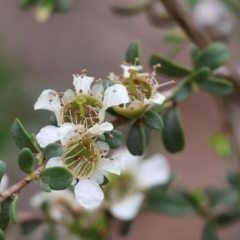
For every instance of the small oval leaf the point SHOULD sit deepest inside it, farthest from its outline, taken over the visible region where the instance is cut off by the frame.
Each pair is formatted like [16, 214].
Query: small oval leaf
[53, 150]
[136, 141]
[213, 56]
[210, 231]
[30, 226]
[133, 52]
[2, 236]
[4, 214]
[172, 134]
[26, 160]
[183, 90]
[58, 178]
[13, 210]
[153, 120]
[113, 138]
[168, 68]
[21, 137]
[45, 187]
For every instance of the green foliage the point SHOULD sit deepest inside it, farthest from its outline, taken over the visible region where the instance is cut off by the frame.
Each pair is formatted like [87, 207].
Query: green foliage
[58, 178]
[195, 52]
[213, 56]
[29, 227]
[105, 181]
[210, 231]
[222, 145]
[21, 137]
[45, 187]
[168, 68]
[136, 141]
[53, 120]
[13, 210]
[201, 75]
[125, 227]
[113, 139]
[183, 90]
[172, 134]
[63, 5]
[50, 234]
[228, 218]
[133, 52]
[152, 120]
[107, 83]
[2, 236]
[233, 179]
[4, 214]
[27, 3]
[2, 169]
[53, 150]
[26, 160]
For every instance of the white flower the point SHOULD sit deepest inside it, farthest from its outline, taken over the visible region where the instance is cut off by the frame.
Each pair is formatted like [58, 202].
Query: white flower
[142, 175]
[126, 68]
[61, 204]
[84, 157]
[86, 105]
[4, 182]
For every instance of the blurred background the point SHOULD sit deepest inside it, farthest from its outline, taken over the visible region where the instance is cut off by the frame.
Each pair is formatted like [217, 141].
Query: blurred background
[35, 56]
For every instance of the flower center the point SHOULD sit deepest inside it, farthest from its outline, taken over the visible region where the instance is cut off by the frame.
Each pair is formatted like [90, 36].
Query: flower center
[83, 110]
[82, 158]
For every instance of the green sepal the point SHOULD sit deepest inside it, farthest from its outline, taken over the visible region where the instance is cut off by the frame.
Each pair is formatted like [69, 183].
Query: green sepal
[152, 120]
[4, 214]
[13, 210]
[2, 169]
[136, 140]
[217, 86]
[132, 10]
[172, 134]
[113, 139]
[30, 226]
[53, 150]
[210, 231]
[133, 52]
[125, 227]
[213, 56]
[183, 90]
[58, 178]
[45, 187]
[2, 236]
[168, 68]
[21, 137]
[26, 160]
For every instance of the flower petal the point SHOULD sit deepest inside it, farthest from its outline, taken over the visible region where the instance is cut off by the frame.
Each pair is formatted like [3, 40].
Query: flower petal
[157, 98]
[47, 135]
[153, 171]
[99, 129]
[103, 148]
[112, 164]
[4, 182]
[115, 95]
[68, 96]
[98, 177]
[82, 84]
[65, 132]
[88, 193]
[98, 90]
[126, 69]
[128, 208]
[54, 162]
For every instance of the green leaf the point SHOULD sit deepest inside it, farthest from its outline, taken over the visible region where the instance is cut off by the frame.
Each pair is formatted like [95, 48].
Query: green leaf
[213, 56]
[113, 138]
[125, 227]
[53, 150]
[136, 141]
[2, 236]
[183, 90]
[130, 10]
[172, 134]
[153, 120]
[58, 178]
[107, 83]
[26, 160]
[168, 68]
[172, 204]
[147, 132]
[30, 226]
[63, 5]
[4, 214]
[27, 3]
[13, 210]
[229, 218]
[192, 3]
[105, 181]
[222, 145]
[233, 179]
[217, 86]
[53, 120]
[133, 52]
[195, 52]
[2, 169]
[50, 234]
[210, 231]
[45, 187]
[201, 75]
[21, 137]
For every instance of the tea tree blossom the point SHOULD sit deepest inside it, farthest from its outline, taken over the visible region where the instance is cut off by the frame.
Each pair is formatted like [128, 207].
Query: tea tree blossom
[125, 194]
[83, 156]
[4, 182]
[85, 105]
[142, 90]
